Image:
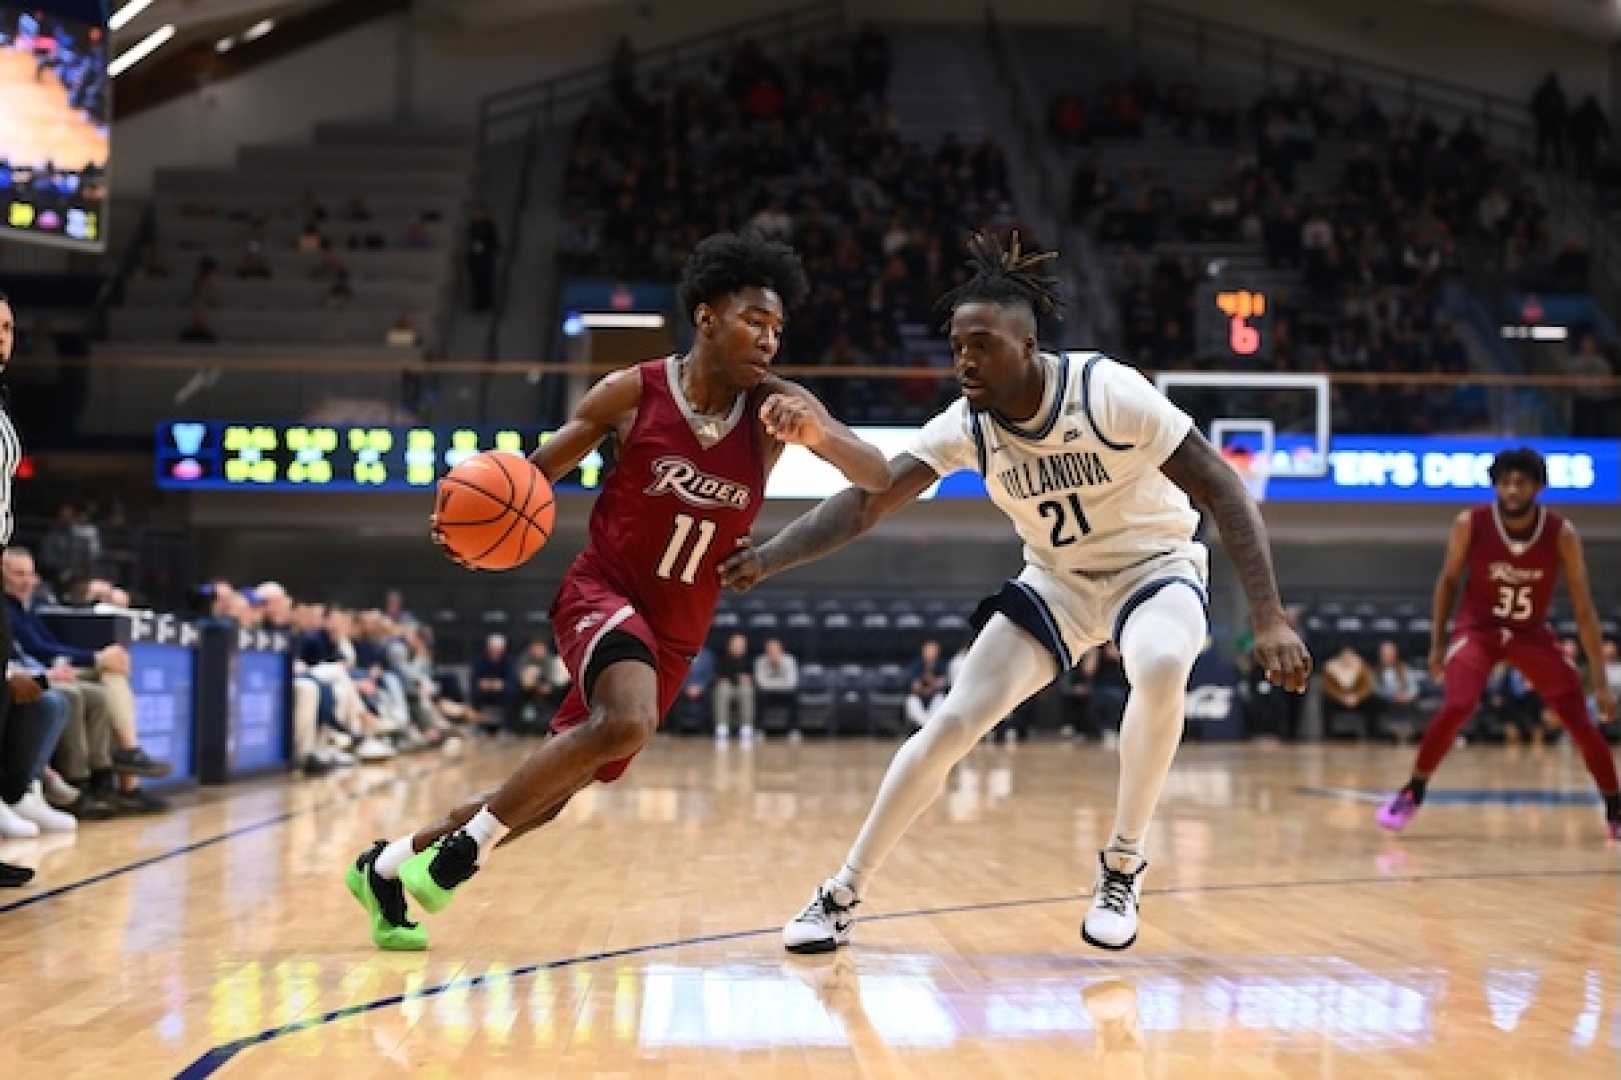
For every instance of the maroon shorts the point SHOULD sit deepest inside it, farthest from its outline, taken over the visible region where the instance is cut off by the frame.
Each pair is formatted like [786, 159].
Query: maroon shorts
[1474, 651]
[587, 613]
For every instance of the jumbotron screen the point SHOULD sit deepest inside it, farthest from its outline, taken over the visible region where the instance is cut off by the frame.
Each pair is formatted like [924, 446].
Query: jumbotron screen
[54, 110]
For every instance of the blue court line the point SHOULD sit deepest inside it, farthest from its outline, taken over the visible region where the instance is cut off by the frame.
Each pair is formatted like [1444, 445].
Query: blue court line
[215, 1059]
[198, 845]
[1468, 796]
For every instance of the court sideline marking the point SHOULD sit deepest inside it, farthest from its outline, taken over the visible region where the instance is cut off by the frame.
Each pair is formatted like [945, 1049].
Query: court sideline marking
[73, 886]
[216, 1058]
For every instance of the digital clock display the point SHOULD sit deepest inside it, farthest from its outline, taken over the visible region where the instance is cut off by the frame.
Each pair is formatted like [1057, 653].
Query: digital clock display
[206, 455]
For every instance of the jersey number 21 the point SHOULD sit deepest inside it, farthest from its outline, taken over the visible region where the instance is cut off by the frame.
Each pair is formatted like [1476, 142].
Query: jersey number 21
[1055, 510]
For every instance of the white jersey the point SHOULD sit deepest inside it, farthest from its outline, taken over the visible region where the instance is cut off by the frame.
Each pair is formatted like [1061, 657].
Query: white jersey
[1081, 482]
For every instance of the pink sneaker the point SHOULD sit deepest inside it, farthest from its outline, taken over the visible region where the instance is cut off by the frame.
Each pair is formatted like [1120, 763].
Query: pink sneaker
[1396, 813]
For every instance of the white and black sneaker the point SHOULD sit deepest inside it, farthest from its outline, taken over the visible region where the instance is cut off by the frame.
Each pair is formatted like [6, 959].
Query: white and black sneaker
[1111, 922]
[825, 922]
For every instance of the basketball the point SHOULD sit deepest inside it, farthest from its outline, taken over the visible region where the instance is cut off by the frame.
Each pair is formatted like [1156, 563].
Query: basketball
[495, 510]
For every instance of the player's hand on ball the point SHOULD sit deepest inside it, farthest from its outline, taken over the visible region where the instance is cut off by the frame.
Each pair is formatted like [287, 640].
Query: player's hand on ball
[742, 569]
[792, 419]
[1283, 656]
[439, 538]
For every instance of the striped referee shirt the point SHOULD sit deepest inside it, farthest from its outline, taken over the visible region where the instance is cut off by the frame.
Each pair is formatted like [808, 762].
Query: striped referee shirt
[11, 455]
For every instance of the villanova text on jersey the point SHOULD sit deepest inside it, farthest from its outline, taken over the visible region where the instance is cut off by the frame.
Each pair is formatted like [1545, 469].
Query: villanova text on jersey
[1056, 472]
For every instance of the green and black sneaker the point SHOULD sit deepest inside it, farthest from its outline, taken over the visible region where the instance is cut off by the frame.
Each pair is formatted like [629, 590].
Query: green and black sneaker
[431, 876]
[384, 902]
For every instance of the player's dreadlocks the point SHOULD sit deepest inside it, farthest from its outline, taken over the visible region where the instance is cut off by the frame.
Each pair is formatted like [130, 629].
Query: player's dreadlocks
[1521, 459]
[1003, 275]
[726, 262]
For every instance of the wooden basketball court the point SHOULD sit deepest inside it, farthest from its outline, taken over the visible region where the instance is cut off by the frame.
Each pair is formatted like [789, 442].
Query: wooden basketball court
[1284, 935]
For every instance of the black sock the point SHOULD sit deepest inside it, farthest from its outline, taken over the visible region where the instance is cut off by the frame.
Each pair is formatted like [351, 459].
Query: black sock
[1612, 807]
[1415, 788]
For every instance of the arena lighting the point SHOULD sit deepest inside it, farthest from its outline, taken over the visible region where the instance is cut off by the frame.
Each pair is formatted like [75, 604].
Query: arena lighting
[126, 14]
[620, 320]
[258, 30]
[140, 51]
[225, 45]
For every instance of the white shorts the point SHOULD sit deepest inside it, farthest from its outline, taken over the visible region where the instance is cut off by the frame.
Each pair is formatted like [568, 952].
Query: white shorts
[1071, 614]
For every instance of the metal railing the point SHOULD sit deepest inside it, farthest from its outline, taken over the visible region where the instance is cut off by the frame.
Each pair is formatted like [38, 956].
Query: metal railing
[129, 394]
[1247, 50]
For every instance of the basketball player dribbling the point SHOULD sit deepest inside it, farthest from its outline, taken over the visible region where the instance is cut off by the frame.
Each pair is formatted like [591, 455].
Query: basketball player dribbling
[1514, 551]
[1094, 469]
[697, 436]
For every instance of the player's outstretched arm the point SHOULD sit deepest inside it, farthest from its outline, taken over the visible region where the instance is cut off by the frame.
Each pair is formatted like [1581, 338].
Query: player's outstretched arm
[792, 414]
[599, 414]
[1574, 563]
[1447, 585]
[829, 525]
[1199, 470]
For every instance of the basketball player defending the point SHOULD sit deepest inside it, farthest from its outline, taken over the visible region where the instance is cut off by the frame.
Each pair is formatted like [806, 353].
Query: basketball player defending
[697, 436]
[1514, 551]
[1094, 468]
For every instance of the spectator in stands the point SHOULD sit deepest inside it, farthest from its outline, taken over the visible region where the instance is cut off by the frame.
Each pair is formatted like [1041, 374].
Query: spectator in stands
[108, 667]
[253, 265]
[483, 247]
[403, 333]
[776, 676]
[394, 607]
[349, 723]
[542, 683]
[700, 677]
[1592, 407]
[1550, 111]
[926, 681]
[1105, 673]
[495, 683]
[339, 293]
[29, 731]
[1515, 706]
[93, 788]
[1348, 686]
[1588, 128]
[1396, 687]
[733, 690]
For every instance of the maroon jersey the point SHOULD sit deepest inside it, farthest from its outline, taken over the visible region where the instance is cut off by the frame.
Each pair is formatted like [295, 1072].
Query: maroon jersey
[672, 509]
[1511, 581]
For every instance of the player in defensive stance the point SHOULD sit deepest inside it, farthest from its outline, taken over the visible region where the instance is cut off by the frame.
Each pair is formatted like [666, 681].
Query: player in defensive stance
[1514, 551]
[697, 436]
[1094, 468]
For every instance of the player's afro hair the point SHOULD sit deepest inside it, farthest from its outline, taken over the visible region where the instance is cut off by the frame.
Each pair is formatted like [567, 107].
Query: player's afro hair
[1521, 459]
[726, 262]
[1005, 275]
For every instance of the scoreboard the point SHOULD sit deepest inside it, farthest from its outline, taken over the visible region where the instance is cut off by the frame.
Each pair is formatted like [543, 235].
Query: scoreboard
[204, 455]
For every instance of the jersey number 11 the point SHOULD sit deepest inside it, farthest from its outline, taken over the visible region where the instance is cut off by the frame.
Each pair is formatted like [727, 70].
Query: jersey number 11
[678, 541]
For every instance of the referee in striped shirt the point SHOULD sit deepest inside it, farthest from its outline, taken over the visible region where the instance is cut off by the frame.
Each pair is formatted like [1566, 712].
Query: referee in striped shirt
[11, 452]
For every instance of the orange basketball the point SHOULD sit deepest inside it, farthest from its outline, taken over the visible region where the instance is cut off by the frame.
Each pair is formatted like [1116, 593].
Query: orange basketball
[495, 510]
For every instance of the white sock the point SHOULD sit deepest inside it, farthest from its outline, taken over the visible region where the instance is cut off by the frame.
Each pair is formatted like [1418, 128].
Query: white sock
[850, 879]
[1161, 640]
[487, 830]
[389, 862]
[1004, 666]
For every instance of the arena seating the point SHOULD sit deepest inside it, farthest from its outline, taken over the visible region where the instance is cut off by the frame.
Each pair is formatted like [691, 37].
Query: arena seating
[336, 242]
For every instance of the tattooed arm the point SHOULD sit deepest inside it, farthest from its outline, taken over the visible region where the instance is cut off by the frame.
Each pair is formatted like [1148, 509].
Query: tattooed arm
[1199, 470]
[828, 526]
